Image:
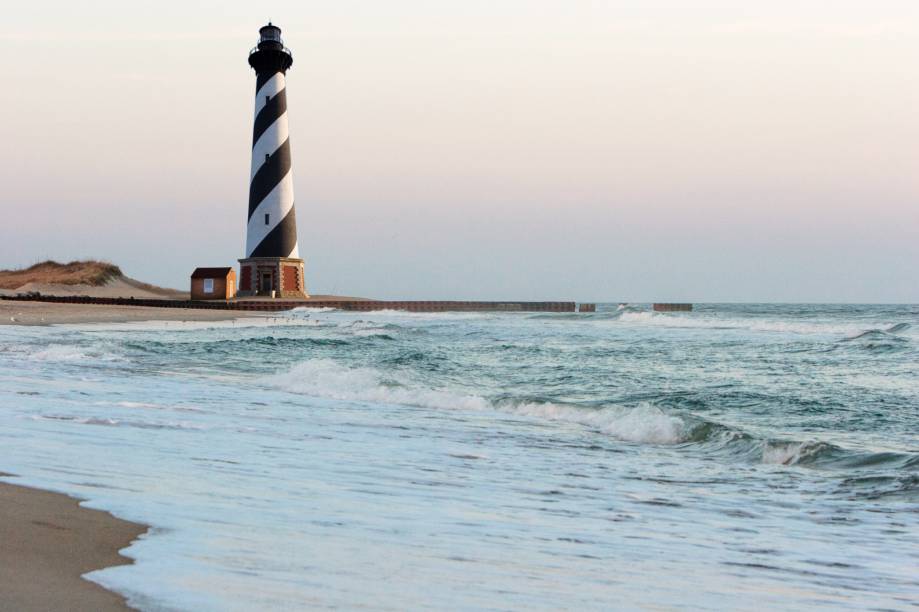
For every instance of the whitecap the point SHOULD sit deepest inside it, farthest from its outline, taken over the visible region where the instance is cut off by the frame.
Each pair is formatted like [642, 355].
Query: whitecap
[70, 353]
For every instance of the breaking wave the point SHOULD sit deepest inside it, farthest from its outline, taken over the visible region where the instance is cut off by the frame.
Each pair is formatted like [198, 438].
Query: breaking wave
[326, 378]
[690, 320]
[879, 340]
[644, 423]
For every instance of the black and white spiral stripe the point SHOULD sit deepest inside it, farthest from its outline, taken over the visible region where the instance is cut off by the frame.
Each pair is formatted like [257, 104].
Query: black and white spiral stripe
[272, 228]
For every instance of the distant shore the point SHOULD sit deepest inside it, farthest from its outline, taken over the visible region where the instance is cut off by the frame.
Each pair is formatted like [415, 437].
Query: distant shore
[49, 542]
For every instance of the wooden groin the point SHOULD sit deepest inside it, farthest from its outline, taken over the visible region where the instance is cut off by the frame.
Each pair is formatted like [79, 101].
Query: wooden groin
[281, 305]
[672, 307]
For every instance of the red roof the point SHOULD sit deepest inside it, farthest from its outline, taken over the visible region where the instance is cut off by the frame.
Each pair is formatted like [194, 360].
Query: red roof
[211, 272]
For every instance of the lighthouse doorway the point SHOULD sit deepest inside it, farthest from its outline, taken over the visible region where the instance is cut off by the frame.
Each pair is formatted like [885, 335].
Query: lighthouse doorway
[265, 284]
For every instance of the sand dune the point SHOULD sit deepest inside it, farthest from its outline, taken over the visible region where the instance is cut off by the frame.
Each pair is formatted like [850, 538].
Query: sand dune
[91, 278]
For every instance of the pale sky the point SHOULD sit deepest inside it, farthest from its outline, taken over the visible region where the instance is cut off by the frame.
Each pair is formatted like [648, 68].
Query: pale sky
[711, 150]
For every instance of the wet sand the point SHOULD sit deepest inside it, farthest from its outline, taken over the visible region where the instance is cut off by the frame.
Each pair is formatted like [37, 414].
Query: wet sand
[47, 313]
[47, 542]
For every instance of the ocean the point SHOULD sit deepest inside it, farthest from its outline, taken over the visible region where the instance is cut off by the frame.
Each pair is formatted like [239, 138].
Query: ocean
[739, 456]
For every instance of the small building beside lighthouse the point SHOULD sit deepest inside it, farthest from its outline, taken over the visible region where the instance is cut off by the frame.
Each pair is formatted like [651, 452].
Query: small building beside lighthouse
[213, 284]
[272, 265]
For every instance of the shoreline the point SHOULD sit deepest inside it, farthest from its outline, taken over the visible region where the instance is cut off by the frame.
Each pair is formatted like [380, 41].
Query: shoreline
[47, 313]
[49, 543]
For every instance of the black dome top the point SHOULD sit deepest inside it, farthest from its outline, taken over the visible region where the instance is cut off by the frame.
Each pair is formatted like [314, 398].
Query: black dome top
[270, 33]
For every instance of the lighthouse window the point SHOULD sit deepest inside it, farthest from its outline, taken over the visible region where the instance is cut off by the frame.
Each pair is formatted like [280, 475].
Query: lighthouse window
[266, 218]
[267, 157]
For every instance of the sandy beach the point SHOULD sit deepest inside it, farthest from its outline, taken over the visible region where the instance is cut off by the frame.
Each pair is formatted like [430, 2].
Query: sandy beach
[46, 313]
[49, 542]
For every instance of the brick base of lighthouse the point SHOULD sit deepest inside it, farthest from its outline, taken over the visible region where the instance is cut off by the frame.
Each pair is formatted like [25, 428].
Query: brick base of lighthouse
[259, 276]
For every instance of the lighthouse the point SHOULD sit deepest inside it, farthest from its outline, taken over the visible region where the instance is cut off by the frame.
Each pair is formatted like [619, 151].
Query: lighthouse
[272, 265]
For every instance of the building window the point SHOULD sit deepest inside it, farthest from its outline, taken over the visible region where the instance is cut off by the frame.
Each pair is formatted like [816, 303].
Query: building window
[266, 218]
[208, 285]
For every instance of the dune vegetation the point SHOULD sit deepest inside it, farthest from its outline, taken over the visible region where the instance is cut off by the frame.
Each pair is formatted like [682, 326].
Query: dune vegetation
[90, 272]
